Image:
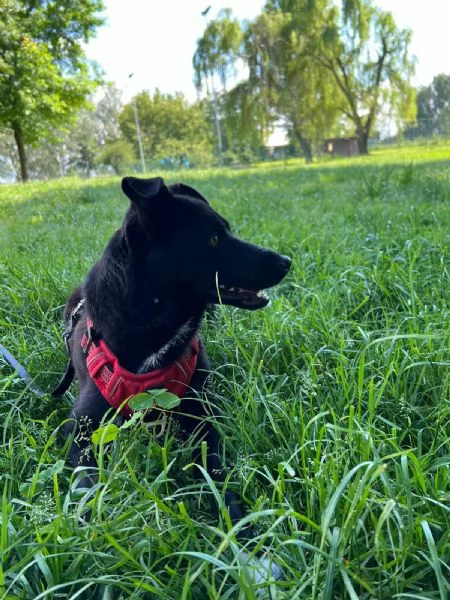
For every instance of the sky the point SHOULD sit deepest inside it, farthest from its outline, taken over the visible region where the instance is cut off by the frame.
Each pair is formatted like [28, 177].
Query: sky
[155, 39]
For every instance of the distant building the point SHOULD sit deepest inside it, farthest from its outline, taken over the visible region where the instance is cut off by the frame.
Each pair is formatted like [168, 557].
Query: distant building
[341, 146]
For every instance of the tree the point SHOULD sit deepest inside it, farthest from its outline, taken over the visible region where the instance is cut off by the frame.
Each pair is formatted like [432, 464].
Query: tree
[170, 127]
[8, 157]
[367, 55]
[216, 54]
[292, 85]
[433, 109]
[119, 155]
[77, 147]
[44, 75]
[107, 111]
[217, 50]
[244, 123]
[263, 47]
[285, 82]
[73, 149]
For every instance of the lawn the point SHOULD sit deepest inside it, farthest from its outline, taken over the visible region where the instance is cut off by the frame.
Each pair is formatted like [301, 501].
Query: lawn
[334, 400]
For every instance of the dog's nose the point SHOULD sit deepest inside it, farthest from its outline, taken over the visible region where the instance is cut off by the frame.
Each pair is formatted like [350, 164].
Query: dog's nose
[285, 263]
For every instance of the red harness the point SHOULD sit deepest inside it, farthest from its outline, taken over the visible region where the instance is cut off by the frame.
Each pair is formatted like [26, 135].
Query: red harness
[116, 384]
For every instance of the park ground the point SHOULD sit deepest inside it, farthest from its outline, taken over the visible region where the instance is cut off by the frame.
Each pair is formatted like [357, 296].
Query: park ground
[334, 400]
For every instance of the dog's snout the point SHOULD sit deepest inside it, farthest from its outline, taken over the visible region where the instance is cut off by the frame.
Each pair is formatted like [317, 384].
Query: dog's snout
[285, 263]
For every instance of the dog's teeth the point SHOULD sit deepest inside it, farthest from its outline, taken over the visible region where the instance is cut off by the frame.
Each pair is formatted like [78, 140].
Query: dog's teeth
[260, 294]
[232, 289]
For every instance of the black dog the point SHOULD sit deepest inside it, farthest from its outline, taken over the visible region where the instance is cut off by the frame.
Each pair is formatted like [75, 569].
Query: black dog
[142, 303]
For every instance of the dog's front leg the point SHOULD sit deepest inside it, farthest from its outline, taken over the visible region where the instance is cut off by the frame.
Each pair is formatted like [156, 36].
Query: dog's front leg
[218, 471]
[85, 417]
[214, 464]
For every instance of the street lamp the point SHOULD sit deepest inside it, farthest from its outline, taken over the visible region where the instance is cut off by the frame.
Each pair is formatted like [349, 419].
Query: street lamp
[138, 129]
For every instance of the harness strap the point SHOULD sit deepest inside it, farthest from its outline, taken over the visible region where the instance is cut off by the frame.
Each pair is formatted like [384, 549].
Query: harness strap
[116, 384]
[67, 378]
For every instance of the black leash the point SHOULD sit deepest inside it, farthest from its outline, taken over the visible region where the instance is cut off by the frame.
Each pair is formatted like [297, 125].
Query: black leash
[68, 376]
[21, 371]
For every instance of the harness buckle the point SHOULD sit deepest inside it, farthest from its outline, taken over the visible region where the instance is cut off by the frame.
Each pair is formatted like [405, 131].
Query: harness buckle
[71, 322]
[89, 340]
[66, 336]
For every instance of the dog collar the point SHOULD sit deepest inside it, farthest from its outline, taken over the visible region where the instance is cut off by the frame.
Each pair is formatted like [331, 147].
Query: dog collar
[116, 384]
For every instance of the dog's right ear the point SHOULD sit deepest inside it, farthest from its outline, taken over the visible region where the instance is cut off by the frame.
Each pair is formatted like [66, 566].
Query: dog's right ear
[141, 223]
[142, 190]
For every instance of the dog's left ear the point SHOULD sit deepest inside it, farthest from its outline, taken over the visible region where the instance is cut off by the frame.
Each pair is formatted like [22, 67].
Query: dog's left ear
[181, 189]
[142, 190]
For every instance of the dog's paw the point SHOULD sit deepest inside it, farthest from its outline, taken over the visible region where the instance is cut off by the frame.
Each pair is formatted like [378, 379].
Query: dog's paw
[262, 568]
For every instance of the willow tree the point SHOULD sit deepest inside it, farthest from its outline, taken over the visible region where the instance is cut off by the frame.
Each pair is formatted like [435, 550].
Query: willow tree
[366, 54]
[215, 57]
[217, 50]
[44, 75]
[261, 50]
[292, 84]
[368, 57]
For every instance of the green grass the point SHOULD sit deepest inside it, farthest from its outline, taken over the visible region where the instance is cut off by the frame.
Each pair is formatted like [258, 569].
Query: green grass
[334, 400]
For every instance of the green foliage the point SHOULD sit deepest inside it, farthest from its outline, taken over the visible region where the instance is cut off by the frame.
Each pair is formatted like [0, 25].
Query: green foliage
[262, 49]
[84, 160]
[333, 401]
[107, 111]
[291, 84]
[8, 155]
[364, 52]
[245, 124]
[105, 434]
[170, 126]
[161, 398]
[433, 109]
[119, 155]
[367, 54]
[44, 76]
[320, 70]
[79, 146]
[217, 50]
[284, 81]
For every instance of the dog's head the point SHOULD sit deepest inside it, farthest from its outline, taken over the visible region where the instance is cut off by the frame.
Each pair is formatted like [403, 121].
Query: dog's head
[188, 248]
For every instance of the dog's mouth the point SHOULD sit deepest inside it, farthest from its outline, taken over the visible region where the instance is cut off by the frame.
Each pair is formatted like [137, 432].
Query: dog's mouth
[240, 297]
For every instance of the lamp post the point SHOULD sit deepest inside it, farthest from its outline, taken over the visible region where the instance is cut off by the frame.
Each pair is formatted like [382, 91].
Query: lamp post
[138, 130]
[204, 13]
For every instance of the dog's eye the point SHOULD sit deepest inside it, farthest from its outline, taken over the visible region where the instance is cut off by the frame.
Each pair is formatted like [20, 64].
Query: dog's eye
[214, 240]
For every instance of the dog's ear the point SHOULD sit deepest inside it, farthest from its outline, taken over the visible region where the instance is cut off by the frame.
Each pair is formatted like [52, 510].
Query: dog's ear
[182, 189]
[142, 190]
[141, 223]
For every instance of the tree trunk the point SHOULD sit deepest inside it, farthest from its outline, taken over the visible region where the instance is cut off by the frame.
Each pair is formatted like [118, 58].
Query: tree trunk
[307, 151]
[363, 140]
[305, 145]
[18, 136]
[363, 143]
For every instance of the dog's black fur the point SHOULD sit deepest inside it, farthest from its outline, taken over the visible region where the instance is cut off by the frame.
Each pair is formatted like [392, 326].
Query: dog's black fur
[172, 256]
